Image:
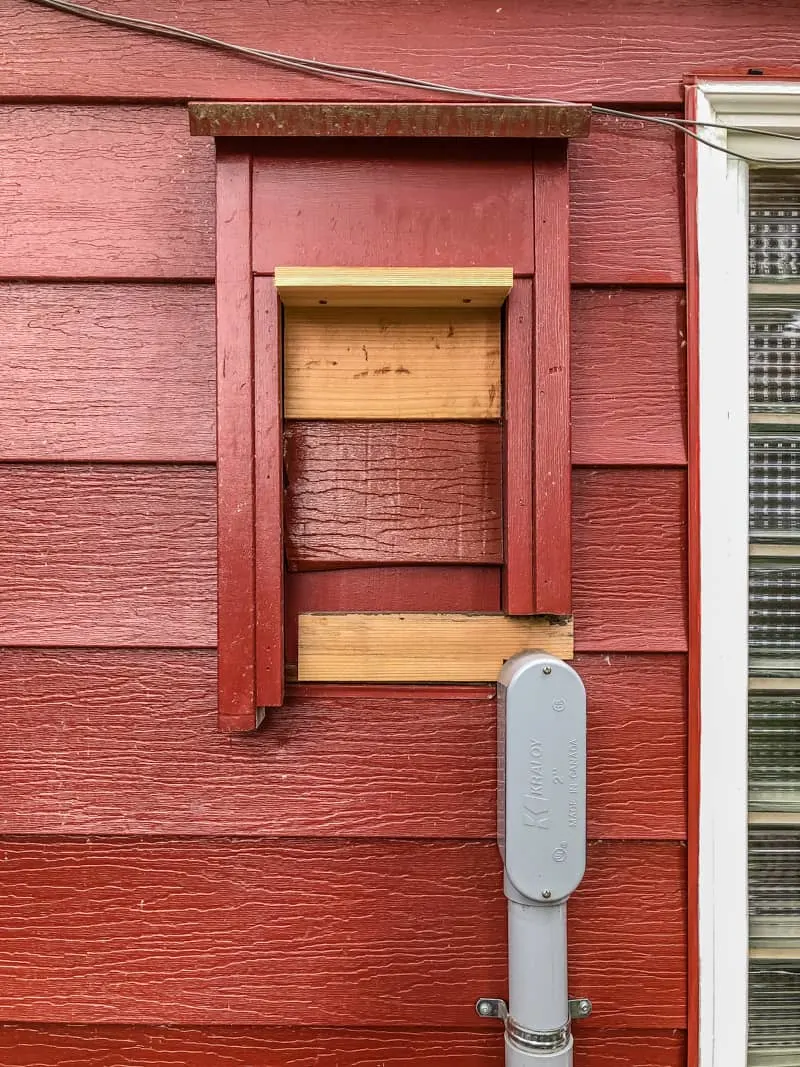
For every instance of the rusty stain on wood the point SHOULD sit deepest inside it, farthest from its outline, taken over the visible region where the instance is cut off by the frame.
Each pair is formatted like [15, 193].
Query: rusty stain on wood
[254, 119]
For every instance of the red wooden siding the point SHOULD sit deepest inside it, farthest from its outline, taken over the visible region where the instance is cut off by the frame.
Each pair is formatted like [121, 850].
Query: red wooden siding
[126, 372]
[336, 870]
[105, 192]
[628, 377]
[237, 1046]
[337, 760]
[242, 931]
[623, 51]
[393, 492]
[107, 372]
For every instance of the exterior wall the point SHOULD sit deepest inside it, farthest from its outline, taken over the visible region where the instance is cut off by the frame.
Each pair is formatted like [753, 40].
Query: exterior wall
[173, 895]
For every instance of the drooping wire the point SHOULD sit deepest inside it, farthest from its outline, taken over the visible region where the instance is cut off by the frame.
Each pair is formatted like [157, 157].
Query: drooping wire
[366, 75]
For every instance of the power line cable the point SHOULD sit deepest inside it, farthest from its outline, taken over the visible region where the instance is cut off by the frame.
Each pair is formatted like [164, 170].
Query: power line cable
[366, 75]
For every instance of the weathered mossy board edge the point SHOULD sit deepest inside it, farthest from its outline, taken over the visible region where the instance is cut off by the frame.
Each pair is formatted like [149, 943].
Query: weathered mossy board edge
[265, 119]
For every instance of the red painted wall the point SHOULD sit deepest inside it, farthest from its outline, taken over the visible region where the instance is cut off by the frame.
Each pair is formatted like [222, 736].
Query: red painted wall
[326, 892]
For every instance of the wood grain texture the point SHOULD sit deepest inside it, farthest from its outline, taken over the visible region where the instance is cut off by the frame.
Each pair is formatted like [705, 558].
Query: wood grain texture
[628, 377]
[107, 372]
[125, 555]
[125, 742]
[420, 647]
[109, 192]
[268, 488]
[392, 493]
[107, 555]
[249, 932]
[425, 588]
[236, 561]
[401, 204]
[625, 191]
[624, 51]
[552, 467]
[629, 559]
[398, 363]
[393, 286]
[152, 1046]
[519, 593]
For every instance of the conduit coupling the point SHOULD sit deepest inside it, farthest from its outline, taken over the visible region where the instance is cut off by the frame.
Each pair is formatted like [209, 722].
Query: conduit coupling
[542, 837]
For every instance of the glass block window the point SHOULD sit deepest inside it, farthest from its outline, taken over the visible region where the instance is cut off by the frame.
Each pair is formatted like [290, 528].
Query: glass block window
[774, 623]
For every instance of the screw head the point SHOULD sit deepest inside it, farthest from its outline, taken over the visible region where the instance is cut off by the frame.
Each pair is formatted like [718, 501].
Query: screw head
[585, 1007]
[547, 670]
[546, 894]
[484, 1007]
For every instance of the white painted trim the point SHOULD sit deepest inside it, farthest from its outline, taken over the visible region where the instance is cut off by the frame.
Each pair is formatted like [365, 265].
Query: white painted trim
[722, 227]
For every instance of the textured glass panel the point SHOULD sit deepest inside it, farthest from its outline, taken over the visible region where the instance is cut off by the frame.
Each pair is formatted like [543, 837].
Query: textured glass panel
[774, 872]
[774, 607]
[774, 224]
[774, 354]
[774, 752]
[774, 482]
[774, 1014]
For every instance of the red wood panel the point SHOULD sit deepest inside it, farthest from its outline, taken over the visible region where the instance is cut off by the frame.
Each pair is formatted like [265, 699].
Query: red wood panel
[248, 932]
[393, 492]
[111, 372]
[389, 589]
[626, 189]
[109, 555]
[238, 1046]
[236, 559]
[115, 742]
[379, 204]
[125, 556]
[268, 398]
[628, 377]
[629, 559]
[110, 192]
[621, 51]
[518, 452]
[551, 404]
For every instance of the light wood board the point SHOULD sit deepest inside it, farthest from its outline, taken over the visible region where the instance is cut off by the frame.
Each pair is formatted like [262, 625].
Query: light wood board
[420, 647]
[394, 286]
[391, 363]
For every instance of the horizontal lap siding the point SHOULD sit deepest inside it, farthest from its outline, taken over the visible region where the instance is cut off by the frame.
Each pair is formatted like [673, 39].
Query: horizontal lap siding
[269, 929]
[620, 51]
[240, 931]
[120, 1046]
[113, 742]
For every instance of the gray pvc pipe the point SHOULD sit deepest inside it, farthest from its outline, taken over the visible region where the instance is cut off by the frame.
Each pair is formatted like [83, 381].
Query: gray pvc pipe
[537, 965]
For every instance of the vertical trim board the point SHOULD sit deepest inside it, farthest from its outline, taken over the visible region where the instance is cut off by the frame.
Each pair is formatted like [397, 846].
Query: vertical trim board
[236, 548]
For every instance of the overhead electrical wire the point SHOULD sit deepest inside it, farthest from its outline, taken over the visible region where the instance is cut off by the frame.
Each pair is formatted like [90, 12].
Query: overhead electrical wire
[366, 75]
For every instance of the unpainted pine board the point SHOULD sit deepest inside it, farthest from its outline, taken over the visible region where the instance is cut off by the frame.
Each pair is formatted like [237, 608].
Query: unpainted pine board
[637, 52]
[628, 377]
[392, 492]
[420, 647]
[626, 216]
[231, 931]
[391, 363]
[236, 1046]
[410, 588]
[629, 559]
[107, 554]
[393, 286]
[107, 372]
[393, 204]
[335, 761]
[106, 192]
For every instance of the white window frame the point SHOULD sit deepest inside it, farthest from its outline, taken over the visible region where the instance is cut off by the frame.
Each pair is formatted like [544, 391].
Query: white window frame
[722, 421]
